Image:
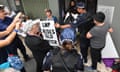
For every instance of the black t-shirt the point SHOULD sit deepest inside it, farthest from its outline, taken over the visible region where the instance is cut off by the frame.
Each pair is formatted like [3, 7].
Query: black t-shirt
[37, 43]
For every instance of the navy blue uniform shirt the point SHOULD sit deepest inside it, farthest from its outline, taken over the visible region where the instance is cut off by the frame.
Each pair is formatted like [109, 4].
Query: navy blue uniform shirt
[84, 23]
[4, 50]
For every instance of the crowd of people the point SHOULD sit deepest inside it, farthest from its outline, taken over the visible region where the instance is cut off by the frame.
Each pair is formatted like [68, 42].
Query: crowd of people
[65, 57]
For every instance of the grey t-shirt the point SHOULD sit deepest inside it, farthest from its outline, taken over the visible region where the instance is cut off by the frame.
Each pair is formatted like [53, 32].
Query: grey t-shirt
[99, 36]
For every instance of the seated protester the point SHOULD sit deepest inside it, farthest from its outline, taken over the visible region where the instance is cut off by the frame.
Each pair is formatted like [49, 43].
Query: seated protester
[63, 59]
[37, 45]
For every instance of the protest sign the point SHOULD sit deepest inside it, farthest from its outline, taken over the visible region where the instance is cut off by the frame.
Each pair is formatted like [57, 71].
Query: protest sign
[49, 32]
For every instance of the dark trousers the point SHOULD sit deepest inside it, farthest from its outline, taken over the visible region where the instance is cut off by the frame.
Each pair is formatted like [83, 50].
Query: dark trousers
[39, 56]
[23, 70]
[84, 44]
[22, 48]
[95, 56]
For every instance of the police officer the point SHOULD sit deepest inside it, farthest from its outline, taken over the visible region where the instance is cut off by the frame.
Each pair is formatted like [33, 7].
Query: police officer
[16, 43]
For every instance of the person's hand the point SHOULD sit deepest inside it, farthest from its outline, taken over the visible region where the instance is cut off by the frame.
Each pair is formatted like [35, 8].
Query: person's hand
[17, 17]
[57, 25]
[18, 25]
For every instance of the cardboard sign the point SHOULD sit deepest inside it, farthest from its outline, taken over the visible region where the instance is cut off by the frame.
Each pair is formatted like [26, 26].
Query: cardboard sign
[49, 32]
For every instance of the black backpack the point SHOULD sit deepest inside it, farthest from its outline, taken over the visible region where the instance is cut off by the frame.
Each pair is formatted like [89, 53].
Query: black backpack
[62, 63]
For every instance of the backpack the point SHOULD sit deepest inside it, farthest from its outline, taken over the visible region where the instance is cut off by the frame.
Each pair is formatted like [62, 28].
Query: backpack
[63, 63]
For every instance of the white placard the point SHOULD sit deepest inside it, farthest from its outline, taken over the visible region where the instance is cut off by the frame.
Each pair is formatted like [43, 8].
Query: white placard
[49, 32]
[109, 51]
[109, 11]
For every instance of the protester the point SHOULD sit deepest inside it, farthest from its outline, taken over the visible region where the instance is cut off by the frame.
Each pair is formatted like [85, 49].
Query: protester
[49, 16]
[37, 45]
[97, 36]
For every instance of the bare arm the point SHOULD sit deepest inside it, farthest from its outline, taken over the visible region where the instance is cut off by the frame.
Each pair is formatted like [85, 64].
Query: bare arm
[62, 26]
[10, 38]
[65, 26]
[8, 30]
[11, 26]
[89, 35]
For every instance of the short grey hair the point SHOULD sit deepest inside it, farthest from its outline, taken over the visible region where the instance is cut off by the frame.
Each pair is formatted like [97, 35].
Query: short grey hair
[33, 23]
